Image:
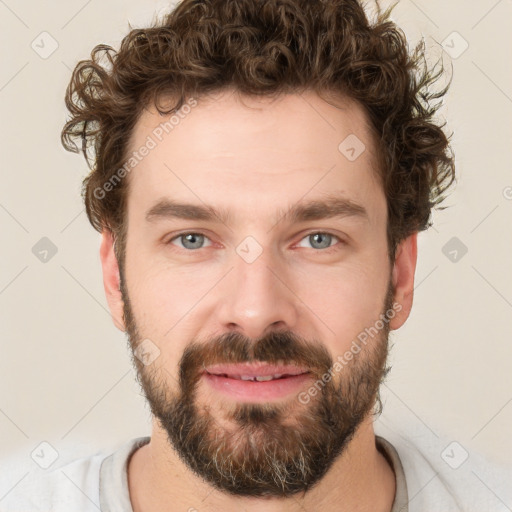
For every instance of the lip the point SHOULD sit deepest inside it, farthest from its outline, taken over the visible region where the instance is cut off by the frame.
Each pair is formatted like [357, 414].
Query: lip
[253, 391]
[255, 369]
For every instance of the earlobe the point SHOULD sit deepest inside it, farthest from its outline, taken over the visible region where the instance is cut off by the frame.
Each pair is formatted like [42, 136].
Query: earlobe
[111, 279]
[403, 279]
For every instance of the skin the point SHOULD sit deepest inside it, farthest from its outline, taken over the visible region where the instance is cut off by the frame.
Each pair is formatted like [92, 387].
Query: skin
[255, 162]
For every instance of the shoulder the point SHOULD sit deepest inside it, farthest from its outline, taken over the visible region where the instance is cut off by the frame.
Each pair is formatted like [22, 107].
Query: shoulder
[72, 485]
[444, 474]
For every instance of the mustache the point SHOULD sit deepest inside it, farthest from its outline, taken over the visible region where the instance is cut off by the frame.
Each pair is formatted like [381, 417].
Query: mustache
[234, 347]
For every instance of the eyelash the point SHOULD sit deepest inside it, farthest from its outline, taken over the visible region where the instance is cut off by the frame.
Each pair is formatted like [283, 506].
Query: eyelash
[327, 250]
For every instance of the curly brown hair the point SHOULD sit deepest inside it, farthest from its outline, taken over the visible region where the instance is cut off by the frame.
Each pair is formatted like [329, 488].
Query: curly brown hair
[266, 47]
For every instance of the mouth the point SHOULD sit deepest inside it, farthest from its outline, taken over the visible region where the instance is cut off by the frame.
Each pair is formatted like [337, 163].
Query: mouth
[256, 371]
[256, 382]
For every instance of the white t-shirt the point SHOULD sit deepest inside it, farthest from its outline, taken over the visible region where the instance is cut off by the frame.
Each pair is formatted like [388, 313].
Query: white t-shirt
[425, 481]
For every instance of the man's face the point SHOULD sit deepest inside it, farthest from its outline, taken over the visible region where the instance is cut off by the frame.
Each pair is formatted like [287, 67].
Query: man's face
[258, 287]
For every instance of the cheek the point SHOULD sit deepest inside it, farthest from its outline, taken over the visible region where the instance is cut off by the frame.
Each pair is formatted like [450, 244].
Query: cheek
[344, 302]
[158, 308]
[164, 298]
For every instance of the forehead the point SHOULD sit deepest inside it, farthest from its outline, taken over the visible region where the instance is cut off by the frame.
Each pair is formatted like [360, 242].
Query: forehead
[255, 152]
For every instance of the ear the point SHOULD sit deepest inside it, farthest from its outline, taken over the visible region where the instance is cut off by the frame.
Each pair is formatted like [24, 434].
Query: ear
[403, 279]
[111, 279]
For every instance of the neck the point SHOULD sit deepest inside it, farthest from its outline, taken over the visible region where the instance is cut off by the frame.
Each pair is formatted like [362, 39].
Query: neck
[359, 480]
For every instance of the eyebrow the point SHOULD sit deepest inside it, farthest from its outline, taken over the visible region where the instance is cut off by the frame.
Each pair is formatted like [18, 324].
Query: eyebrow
[317, 209]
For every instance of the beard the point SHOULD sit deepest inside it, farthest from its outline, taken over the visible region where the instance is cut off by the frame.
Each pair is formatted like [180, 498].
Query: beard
[273, 449]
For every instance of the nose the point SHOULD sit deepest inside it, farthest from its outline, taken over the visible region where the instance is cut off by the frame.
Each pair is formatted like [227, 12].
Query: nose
[258, 298]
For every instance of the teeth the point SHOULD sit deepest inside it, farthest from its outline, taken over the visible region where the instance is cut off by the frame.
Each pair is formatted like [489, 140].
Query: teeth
[267, 377]
[260, 378]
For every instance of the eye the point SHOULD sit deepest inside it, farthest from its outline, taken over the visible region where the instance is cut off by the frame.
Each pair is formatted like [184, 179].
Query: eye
[321, 240]
[190, 241]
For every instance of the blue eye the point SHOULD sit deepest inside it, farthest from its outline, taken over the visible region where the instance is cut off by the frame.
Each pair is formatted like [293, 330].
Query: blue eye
[321, 239]
[190, 241]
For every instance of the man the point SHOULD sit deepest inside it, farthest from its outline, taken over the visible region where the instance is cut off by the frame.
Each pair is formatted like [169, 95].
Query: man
[260, 171]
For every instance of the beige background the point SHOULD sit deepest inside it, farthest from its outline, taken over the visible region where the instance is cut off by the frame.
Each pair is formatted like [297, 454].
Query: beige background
[66, 376]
